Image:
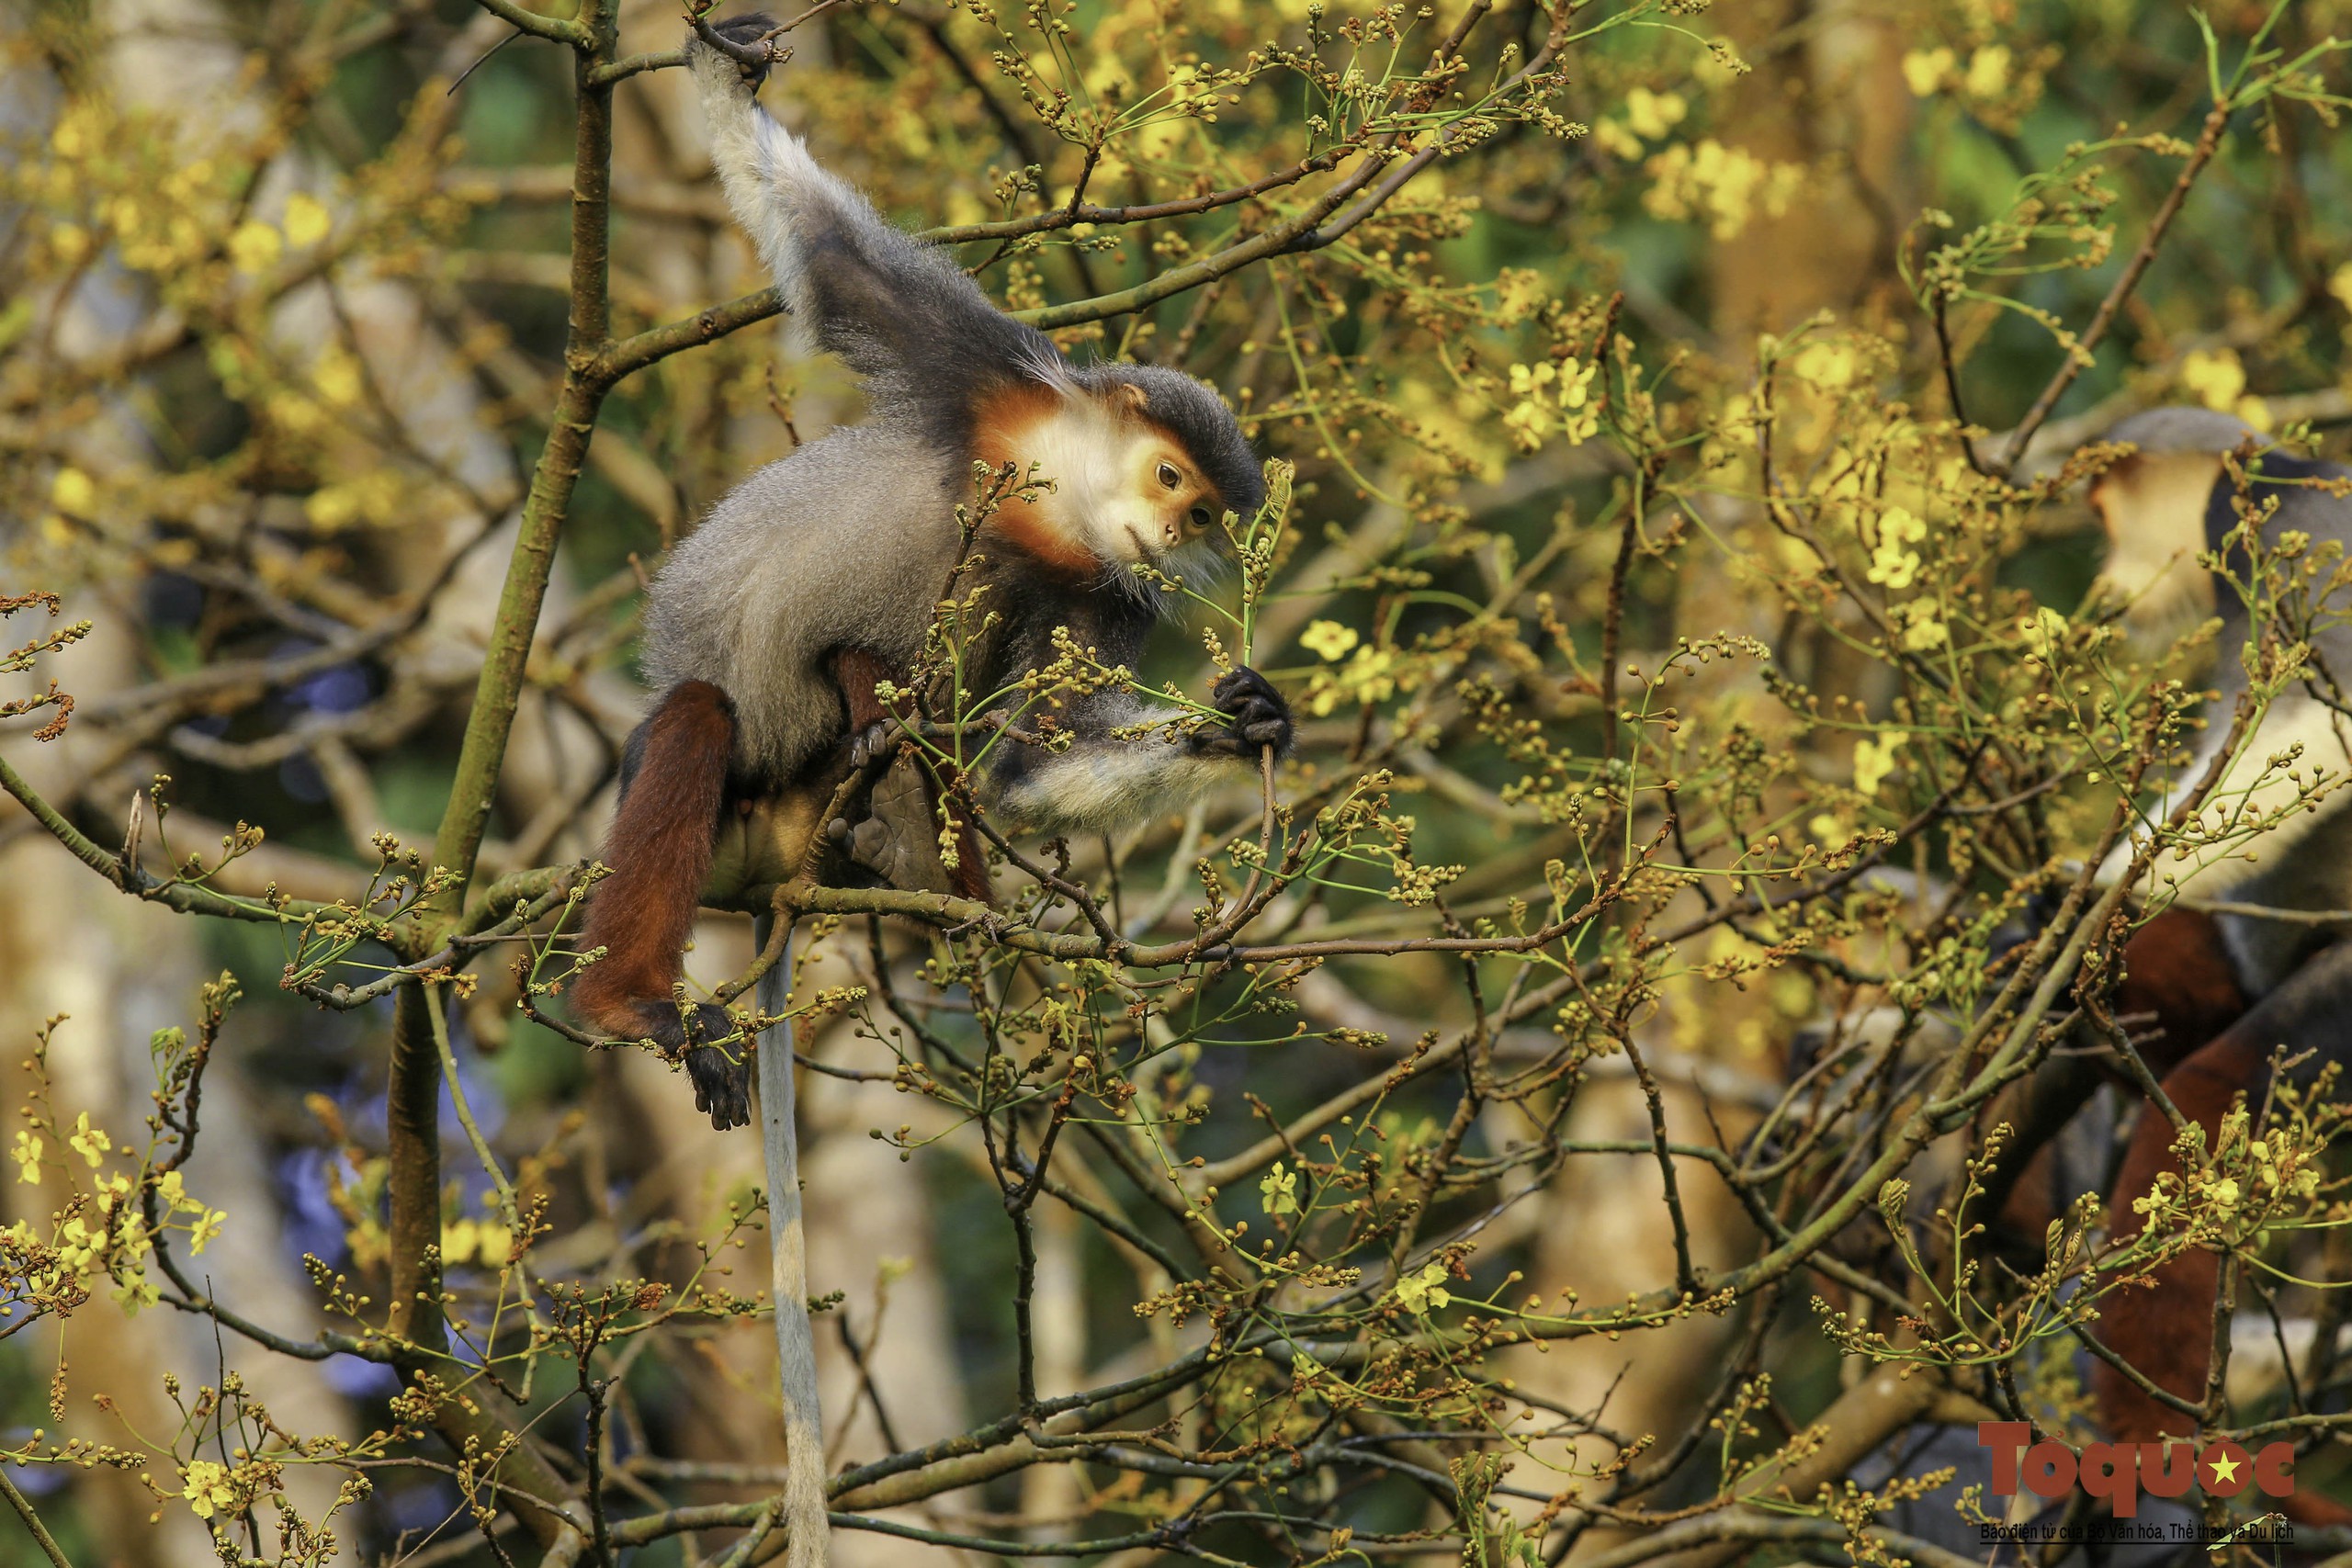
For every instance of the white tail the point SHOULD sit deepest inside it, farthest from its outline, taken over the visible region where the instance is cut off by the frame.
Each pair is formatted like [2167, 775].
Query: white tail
[770, 180]
[795, 1349]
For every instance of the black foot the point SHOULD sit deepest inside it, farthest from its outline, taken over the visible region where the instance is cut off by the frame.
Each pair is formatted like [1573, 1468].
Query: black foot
[722, 1084]
[1256, 716]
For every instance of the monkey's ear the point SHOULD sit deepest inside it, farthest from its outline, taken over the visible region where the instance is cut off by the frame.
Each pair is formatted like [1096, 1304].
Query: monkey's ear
[1129, 398]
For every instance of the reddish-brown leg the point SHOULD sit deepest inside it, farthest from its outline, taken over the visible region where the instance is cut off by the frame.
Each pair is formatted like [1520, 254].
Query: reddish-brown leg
[660, 850]
[858, 671]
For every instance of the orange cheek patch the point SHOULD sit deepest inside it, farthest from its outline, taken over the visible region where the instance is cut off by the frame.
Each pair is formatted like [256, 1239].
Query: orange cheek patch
[1020, 526]
[1004, 432]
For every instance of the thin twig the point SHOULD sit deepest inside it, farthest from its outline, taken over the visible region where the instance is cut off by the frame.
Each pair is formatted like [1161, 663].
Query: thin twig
[2079, 353]
[23, 1505]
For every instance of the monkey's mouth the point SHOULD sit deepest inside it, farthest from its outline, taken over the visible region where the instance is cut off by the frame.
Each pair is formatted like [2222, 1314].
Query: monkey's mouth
[1143, 549]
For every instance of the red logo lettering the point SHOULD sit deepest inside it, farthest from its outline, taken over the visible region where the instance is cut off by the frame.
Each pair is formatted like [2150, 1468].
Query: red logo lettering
[2167, 1469]
[2048, 1469]
[2005, 1438]
[2274, 1470]
[2112, 1471]
[2119, 1472]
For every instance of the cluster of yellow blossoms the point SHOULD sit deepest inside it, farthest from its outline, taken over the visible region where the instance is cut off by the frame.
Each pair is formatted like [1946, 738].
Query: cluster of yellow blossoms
[101, 1235]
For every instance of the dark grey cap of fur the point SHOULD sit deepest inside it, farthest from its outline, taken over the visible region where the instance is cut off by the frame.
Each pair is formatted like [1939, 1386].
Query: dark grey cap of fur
[2186, 430]
[1199, 419]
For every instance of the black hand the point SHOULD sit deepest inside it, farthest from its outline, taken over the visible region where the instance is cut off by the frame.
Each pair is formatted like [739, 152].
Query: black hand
[746, 30]
[1256, 716]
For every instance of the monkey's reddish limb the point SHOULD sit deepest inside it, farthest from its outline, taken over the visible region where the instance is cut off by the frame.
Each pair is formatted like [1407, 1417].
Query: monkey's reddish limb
[659, 849]
[2166, 1332]
[2177, 992]
[2177, 988]
[858, 671]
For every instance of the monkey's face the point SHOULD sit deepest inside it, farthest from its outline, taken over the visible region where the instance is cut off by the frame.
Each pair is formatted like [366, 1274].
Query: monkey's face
[2152, 507]
[1163, 500]
[1145, 499]
[1122, 490]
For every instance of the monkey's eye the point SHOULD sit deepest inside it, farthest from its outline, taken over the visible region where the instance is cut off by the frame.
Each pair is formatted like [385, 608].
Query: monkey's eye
[1169, 476]
[1199, 515]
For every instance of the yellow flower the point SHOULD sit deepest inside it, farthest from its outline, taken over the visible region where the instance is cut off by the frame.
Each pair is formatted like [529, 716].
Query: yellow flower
[1420, 1291]
[208, 1488]
[373, 497]
[1575, 383]
[1728, 186]
[1828, 366]
[255, 246]
[293, 413]
[485, 1241]
[1328, 640]
[1279, 1190]
[2339, 283]
[136, 1292]
[77, 1244]
[307, 221]
[336, 375]
[2225, 1194]
[1922, 629]
[26, 1154]
[2215, 375]
[1924, 69]
[74, 493]
[1615, 139]
[1874, 759]
[90, 1143]
[1652, 114]
[1370, 676]
[1894, 563]
[1988, 71]
[1527, 421]
[1519, 293]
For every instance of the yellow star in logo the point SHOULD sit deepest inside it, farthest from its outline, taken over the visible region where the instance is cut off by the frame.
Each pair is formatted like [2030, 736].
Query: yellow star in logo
[2225, 1470]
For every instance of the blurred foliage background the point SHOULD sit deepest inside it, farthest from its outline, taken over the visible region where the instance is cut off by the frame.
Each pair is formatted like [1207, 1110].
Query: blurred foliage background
[1655, 636]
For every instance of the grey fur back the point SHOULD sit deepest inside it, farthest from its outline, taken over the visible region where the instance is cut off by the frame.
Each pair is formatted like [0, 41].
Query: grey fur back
[778, 576]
